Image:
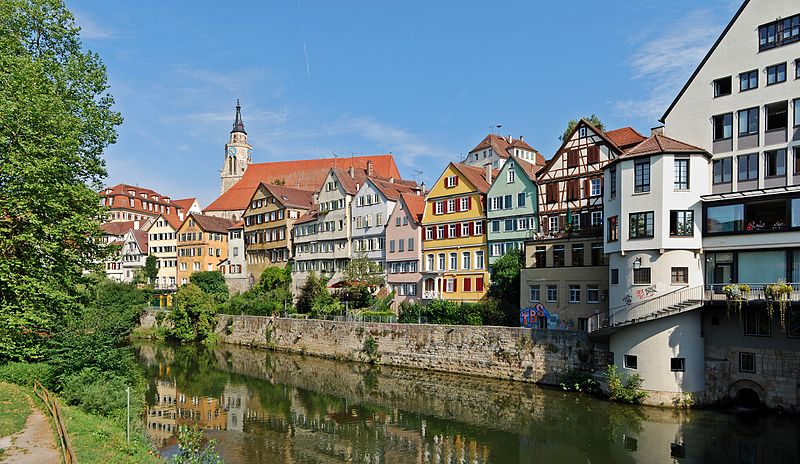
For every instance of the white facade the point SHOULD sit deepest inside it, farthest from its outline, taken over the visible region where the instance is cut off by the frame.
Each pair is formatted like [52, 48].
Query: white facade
[235, 266]
[163, 244]
[370, 213]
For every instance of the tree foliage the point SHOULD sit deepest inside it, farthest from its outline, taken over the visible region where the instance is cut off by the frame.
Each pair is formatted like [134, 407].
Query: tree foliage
[272, 294]
[212, 283]
[504, 289]
[313, 293]
[193, 314]
[55, 121]
[151, 269]
[593, 120]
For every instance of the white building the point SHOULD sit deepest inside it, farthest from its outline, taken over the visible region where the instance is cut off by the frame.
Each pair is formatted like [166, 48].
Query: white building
[234, 267]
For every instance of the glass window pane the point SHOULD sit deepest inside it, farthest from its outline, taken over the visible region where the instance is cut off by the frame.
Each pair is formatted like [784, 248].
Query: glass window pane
[762, 266]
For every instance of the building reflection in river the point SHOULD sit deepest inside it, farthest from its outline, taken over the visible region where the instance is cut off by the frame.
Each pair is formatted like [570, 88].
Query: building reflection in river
[276, 407]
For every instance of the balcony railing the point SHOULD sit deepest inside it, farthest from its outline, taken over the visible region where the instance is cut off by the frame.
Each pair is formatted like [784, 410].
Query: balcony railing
[430, 294]
[716, 292]
[589, 231]
[662, 305]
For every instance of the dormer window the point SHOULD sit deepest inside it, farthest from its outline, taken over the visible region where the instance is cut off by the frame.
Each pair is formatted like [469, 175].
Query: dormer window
[132, 192]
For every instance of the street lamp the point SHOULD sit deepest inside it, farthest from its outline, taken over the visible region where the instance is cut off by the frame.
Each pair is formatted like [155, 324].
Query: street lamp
[637, 263]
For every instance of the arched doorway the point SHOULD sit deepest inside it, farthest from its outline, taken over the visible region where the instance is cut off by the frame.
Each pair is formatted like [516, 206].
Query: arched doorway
[748, 394]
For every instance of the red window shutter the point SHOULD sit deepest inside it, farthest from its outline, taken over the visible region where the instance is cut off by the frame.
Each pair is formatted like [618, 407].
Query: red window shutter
[446, 231]
[469, 203]
[479, 284]
[562, 222]
[601, 186]
[455, 285]
[472, 228]
[587, 188]
[467, 284]
[458, 230]
[456, 180]
[546, 225]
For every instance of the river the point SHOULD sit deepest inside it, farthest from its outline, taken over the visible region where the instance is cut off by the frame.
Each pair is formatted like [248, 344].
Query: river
[270, 407]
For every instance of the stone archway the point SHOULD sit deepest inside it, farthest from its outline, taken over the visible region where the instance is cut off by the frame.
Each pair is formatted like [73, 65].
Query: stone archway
[747, 393]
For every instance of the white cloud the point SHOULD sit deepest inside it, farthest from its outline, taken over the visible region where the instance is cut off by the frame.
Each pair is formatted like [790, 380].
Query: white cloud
[667, 60]
[89, 28]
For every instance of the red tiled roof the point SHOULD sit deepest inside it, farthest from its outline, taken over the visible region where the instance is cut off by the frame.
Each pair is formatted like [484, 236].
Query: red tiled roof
[141, 239]
[212, 223]
[237, 225]
[529, 168]
[503, 148]
[660, 143]
[625, 137]
[415, 204]
[185, 203]
[291, 197]
[300, 174]
[391, 190]
[173, 221]
[476, 176]
[117, 228]
[310, 216]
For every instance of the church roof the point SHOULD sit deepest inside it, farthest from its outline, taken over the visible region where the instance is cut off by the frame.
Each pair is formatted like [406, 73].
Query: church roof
[238, 125]
[306, 175]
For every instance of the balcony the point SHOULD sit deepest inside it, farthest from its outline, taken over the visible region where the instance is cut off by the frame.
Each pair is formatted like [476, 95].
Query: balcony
[430, 295]
[583, 232]
[757, 292]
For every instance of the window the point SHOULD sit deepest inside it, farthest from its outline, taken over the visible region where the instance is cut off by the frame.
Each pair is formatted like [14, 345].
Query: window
[756, 323]
[775, 163]
[747, 362]
[777, 116]
[681, 180]
[723, 126]
[391, 246]
[722, 86]
[748, 167]
[552, 293]
[593, 154]
[574, 293]
[534, 294]
[723, 170]
[509, 202]
[429, 263]
[573, 158]
[797, 160]
[439, 207]
[410, 244]
[595, 187]
[464, 204]
[495, 225]
[796, 112]
[464, 233]
[630, 362]
[453, 261]
[450, 181]
[577, 254]
[451, 285]
[677, 364]
[615, 276]
[573, 189]
[776, 74]
[521, 199]
[598, 256]
[680, 275]
[441, 262]
[641, 173]
[551, 193]
[593, 293]
[558, 255]
[613, 229]
[779, 32]
[479, 265]
[681, 223]
[641, 225]
[748, 122]
[478, 227]
[641, 276]
[540, 256]
[748, 80]
[597, 218]
[729, 218]
[553, 220]
[465, 260]
[511, 175]
[612, 178]
[451, 205]
[509, 225]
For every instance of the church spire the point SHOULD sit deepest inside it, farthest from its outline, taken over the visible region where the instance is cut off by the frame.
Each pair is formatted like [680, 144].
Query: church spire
[238, 125]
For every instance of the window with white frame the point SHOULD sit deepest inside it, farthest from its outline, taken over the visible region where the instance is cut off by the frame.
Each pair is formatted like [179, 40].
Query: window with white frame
[597, 218]
[595, 187]
[553, 223]
[479, 260]
[451, 205]
[441, 262]
[465, 260]
[439, 207]
[552, 293]
[451, 285]
[453, 262]
[511, 175]
[574, 293]
[534, 293]
[592, 293]
[429, 263]
[464, 204]
[450, 181]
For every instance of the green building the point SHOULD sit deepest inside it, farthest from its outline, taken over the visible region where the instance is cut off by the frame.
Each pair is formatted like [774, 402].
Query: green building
[512, 208]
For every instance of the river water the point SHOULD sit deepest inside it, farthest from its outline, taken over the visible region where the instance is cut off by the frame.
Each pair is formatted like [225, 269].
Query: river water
[268, 407]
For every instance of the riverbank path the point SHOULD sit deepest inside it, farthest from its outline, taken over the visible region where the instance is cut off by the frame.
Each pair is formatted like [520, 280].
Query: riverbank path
[35, 444]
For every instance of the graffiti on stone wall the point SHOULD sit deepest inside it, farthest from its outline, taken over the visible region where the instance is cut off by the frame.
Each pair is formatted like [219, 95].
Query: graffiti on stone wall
[530, 317]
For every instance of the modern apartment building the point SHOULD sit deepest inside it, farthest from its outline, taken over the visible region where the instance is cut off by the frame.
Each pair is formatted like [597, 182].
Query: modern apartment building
[163, 244]
[454, 241]
[202, 245]
[565, 267]
[268, 222]
[512, 208]
[404, 249]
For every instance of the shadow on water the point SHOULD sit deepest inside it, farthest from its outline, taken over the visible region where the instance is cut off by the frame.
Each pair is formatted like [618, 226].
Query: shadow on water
[275, 407]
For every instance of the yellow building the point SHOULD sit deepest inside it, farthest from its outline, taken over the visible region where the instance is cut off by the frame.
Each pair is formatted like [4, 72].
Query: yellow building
[202, 244]
[268, 222]
[454, 245]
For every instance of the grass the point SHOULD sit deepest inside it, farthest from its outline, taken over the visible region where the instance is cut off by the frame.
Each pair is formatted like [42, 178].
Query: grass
[14, 409]
[100, 439]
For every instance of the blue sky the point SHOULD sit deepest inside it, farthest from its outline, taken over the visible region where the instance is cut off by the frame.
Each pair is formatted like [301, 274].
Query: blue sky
[423, 79]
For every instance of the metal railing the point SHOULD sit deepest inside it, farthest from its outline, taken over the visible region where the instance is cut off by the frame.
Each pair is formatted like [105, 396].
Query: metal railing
[715, 292]
[362, 318]
[430, 294]
[649, 309]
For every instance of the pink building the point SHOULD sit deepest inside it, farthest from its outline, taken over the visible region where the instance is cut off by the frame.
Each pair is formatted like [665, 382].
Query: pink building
[404, 248]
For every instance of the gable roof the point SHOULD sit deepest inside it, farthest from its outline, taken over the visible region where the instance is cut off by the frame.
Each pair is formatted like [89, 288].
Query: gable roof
[185, 203]
[117, 228]
[299, 174]
[173, 221]
[663, 118]
[528, 168]
[475, 175]
[415, 204]
[237, 225]
[291, 197]
[625, 137]
[503, 147]
[310, 216]
[657, 144]
[391, 190]
[582, 122]
[211, 223]
[140, 237]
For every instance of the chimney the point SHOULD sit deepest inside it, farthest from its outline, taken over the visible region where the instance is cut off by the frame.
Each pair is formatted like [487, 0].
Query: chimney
[391, 179]
[421, 191]
[351, 171]
[510, 139]
[521, 138]
[369, 168]
[488, 173]
[136, 225]
[657, 130]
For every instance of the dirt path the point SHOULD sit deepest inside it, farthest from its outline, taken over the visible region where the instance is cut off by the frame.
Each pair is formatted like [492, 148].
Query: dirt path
[34, 445]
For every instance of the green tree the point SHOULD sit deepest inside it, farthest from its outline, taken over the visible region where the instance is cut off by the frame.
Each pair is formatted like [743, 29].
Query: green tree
[504, 289]
[313, 293]
[193, 314]
[55, 121]
[212, 283]
[593, 120]
[151, 269]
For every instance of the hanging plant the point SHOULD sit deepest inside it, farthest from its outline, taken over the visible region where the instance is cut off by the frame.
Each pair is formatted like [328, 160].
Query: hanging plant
[735, 294]
[779, 292]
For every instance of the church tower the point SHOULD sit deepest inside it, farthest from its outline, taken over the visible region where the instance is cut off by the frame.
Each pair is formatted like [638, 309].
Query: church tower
[237, 154]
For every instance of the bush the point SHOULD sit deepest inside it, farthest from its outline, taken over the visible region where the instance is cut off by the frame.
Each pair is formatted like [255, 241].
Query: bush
[452, 313]
[211, 283]
[24, 374]
[251, 304]
[579, 381]
[625, 389]
[97, 392]
[191, 449]
[193, 315]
